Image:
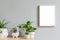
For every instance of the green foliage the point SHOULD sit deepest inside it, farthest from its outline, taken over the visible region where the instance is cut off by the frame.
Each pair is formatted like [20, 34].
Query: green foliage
[27, 32]
[27, 27]
[28, 23]
[14, 30]
[3, 24]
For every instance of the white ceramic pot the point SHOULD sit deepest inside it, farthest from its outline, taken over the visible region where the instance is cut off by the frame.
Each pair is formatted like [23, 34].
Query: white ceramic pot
[4, 32]
[27, 37]
[32, 34]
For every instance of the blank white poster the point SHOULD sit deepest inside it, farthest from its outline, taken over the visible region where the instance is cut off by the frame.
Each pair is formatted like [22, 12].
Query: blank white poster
[47, 15]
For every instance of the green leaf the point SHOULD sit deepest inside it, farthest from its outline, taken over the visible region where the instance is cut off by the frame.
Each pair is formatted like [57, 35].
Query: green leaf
[3, 24]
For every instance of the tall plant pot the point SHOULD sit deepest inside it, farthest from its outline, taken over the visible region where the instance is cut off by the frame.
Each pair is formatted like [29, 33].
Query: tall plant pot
[4, 32]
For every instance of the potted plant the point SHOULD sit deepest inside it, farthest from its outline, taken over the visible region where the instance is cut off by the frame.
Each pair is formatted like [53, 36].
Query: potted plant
[15, 32]
[29, 30]
[3, 28]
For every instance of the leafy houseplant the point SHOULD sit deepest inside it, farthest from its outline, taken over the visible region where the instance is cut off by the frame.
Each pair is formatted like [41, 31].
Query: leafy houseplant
[27, 26]
[3, 28]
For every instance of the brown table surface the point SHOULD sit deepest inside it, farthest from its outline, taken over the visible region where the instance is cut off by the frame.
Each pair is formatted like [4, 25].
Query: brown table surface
[19, 38]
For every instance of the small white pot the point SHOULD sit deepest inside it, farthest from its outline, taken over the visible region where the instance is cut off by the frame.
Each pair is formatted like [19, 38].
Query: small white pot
[32, 34]
[4, 32]
[27, 37]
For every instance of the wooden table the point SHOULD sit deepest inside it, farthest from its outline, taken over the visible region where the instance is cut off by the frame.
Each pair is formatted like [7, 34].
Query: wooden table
[20, 38]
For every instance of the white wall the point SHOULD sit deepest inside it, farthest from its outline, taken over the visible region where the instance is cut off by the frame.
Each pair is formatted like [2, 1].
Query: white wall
[19, 11]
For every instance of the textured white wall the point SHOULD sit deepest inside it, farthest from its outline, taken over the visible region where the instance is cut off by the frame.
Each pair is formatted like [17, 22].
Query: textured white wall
[19, 11]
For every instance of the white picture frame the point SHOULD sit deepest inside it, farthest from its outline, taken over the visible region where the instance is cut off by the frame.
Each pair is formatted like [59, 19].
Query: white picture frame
[47, 15]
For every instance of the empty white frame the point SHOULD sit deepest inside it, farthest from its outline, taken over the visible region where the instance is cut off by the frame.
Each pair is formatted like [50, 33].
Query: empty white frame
[47, 15]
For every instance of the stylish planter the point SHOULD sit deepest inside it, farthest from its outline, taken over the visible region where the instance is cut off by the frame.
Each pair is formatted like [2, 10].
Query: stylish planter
[4, 32]
[32, 34]
[27, 37]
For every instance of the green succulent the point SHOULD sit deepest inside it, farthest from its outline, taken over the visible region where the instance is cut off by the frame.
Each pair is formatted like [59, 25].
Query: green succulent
[3, 24]
[14, 30]
[28, 22]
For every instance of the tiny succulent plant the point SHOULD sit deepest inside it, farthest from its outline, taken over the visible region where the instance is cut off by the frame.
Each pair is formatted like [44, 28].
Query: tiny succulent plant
[14, 30]
[3, 24]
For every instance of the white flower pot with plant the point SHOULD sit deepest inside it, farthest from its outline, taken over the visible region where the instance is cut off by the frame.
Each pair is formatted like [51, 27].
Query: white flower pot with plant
[30, 29]
[15, 32]
[3, 29]
[27, 35]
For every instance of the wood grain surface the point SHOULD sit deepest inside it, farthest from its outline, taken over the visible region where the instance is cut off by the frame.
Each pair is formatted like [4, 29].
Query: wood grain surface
[20, 38]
